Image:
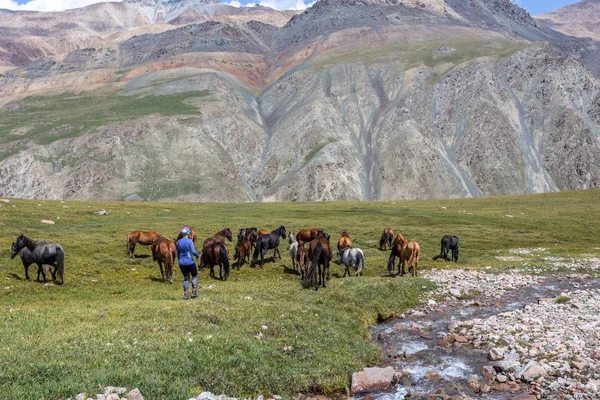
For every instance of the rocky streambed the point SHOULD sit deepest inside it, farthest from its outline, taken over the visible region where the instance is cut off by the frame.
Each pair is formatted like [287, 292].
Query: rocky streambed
[492, 336]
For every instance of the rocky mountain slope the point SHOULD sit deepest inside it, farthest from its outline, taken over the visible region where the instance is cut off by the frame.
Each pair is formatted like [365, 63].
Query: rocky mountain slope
[580, 19]
[351, 99]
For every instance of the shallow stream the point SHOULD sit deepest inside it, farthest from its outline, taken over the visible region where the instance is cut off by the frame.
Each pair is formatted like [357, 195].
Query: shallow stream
[410, 344]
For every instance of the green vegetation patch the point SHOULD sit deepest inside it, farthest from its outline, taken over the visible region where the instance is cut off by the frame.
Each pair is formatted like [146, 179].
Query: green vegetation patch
[313, 152]
[46, 119]
[453, 51]
[115, 323]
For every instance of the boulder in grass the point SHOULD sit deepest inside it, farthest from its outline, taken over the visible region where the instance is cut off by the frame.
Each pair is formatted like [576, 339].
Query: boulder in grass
[135, 394]
[47, 222]
[371, 379]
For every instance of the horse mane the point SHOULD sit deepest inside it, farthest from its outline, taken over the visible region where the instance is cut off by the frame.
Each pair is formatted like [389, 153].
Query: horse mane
[401, 240]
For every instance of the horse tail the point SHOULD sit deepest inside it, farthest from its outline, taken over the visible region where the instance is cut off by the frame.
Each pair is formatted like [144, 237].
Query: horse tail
[224, 260]
[382, 241]
[237, 252]
[361, 262]
[60, 260]
[415, 252]
[311, 276]
[128, 246]
[169, 265]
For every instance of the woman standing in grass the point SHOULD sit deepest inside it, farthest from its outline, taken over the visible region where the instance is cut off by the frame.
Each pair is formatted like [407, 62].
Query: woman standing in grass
[185, 251]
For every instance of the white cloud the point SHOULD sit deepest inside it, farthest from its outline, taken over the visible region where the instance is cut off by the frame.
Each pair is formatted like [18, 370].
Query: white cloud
[60, 5]
[276, 4]
[47, 5]
[286, 4]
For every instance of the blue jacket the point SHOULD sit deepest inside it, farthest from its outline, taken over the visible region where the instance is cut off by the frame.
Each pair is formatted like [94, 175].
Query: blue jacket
[185, 250]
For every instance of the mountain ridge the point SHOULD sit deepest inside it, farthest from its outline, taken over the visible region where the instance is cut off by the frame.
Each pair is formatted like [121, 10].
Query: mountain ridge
[350, 99]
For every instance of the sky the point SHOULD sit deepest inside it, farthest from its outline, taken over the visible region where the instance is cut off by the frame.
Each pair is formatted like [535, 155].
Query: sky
[533, 6]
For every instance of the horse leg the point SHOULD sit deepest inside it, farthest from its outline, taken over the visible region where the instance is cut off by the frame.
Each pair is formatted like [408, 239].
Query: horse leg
[26, 266]
[41, 270]
[402, 271]
[416, 266]
[162, 272]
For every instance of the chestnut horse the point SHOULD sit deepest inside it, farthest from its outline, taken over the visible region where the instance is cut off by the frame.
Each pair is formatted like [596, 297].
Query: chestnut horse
[319, 253]
[216, 254]
[164, 252]
[242, 252]
[386, 239]
[307, 235]
[344, 242]
[261, 232]
[140, 237]
[409, 253]
[193, 236]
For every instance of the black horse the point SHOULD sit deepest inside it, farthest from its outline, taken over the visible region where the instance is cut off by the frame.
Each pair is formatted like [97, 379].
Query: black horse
[43, 254]
[267, 242]
[26, 257]
[449, 243]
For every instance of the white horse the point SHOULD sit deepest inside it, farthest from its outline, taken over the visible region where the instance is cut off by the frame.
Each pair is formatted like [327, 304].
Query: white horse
[352, 257]
[293, 250]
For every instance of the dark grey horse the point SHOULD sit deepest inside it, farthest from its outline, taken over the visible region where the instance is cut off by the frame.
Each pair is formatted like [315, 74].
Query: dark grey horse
[266, 243]
[449, 243]
[43, 254]
[26, 258]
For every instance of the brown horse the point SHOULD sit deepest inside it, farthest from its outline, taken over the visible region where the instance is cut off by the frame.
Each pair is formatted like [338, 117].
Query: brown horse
[164, 251]
[218, 238]
[216, 254]
[344, 242]
[302, 258]
[261, 232]
[252, 237]
[386, 239]
[250, 234]
[242, 252]
[140, 237]
[193, 236]
[319, 253]
[307, 235]
[409, 253]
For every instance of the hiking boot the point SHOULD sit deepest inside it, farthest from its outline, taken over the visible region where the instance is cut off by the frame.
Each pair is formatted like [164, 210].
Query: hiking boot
[194, 293]
[186, 295]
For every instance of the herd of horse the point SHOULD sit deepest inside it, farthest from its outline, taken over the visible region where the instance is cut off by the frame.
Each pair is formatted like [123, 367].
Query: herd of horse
[310, 252]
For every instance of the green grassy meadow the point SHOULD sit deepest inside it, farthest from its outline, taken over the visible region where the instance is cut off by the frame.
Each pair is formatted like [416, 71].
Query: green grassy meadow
[115, 323]
[69, 115]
